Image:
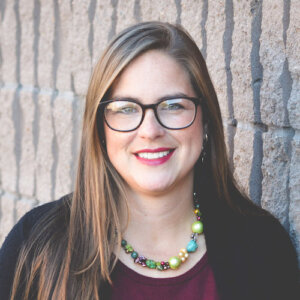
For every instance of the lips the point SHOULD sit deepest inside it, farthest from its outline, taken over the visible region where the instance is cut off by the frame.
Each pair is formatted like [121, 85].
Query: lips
[154, 156]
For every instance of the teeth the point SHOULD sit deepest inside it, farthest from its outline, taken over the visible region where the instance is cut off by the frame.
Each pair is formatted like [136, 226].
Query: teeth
[153, 155]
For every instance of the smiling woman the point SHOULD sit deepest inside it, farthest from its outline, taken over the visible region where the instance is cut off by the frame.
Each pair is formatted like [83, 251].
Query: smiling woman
[155, 80]
[153, 171]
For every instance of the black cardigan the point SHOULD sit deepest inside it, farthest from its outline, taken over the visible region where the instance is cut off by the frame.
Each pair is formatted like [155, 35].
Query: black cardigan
[253, 260]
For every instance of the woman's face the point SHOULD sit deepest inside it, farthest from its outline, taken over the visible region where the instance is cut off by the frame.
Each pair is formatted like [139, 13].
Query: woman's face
[148, 78]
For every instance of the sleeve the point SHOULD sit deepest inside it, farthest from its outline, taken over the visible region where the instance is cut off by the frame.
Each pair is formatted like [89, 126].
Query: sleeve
[9, 253]
[274, 265]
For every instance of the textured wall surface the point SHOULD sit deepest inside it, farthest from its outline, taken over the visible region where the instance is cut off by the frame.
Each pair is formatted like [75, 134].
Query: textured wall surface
[48, 49]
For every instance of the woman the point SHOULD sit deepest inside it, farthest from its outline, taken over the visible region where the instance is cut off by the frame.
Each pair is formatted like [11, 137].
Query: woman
[152, 163]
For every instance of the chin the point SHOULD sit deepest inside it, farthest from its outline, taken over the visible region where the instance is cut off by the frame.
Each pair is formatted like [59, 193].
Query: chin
[153, 188]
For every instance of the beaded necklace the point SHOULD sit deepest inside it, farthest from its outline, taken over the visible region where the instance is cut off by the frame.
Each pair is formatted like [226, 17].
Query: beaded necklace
[175, 261]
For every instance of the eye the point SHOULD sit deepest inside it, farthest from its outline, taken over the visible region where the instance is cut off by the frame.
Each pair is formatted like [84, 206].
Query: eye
[172, 105]
[122, 107]
[127, 110]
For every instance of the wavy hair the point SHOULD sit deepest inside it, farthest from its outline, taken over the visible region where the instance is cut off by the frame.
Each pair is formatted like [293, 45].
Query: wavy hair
[69, 253]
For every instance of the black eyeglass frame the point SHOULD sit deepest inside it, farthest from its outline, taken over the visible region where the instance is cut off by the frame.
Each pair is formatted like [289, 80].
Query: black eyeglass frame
[102, 105]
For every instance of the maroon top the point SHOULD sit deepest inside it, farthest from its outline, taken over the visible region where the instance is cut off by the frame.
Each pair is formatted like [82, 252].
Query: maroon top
[197, 283]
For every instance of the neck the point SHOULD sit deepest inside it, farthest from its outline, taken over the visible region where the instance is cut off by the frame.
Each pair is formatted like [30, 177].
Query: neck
[160, 220]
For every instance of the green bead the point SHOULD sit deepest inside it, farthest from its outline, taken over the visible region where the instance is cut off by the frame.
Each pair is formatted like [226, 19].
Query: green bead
[134, 254]
[128, 248]
[159, 267]
[174, 262]
[123, 243]
[197, 227]
[151, 264]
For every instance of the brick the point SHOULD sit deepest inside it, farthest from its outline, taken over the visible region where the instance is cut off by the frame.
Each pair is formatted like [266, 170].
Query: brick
[158, 10]
[102, 26]
[26, 59]
[8, 164]
[243, 156]
[275, 170]
[294, 193]
[45, 49]
[62, 112]
[191, 17]
[293, 36]
[125, 14]
[8, 44]
[7, 220]
[64, 46]
[80, 56]
[272, 57]
[215, 60]
[27, 162]
[24, 205]
[240, 64]
[293, 56]
[44, 156]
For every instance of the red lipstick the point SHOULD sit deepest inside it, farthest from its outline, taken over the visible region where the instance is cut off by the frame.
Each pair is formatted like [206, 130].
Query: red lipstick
[154, 157]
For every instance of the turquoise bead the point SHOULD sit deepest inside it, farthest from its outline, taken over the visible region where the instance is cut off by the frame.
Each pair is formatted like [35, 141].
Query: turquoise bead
[174, 262]
[197, 227]
[192, 246]
[134, 254]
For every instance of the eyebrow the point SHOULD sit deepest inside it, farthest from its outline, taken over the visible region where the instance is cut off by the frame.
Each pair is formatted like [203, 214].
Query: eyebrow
[165, 97]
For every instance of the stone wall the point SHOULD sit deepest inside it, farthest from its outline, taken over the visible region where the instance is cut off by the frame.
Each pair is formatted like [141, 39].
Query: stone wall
[48, 49]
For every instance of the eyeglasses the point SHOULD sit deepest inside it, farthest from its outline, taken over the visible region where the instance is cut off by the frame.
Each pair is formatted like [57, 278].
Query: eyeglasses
[128, 115]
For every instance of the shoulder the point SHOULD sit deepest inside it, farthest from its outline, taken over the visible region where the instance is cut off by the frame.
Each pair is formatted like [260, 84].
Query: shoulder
[263, 232]
[19, 234]
[25, 225]
[32, 218]
[262, 236]
[265, 256]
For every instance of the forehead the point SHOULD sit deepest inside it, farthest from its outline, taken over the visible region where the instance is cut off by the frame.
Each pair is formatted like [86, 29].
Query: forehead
[151, 76]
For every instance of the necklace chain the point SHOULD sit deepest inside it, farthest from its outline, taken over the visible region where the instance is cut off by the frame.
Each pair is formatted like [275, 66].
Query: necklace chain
[175, 261]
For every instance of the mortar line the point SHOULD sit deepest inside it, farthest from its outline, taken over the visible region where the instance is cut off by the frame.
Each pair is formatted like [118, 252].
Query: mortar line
[256, 176]
[178, 9]
[55, 64]
[227, 48]
[114, 19]
[2, 8]
[36, 14]
[17, 116]
[204, 17]
[91, 14]
[286, 82]
[137, 11]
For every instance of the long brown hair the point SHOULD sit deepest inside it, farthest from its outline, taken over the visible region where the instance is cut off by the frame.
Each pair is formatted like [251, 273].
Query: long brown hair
[69, 252]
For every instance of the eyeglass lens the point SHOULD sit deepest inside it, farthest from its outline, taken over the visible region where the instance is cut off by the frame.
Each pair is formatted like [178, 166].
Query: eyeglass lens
[172, 113]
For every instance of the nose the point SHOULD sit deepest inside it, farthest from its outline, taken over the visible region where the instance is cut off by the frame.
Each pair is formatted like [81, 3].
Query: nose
[150, 128]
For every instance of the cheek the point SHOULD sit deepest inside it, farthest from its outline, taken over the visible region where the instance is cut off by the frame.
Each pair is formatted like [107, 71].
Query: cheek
[196, 133]
[116, 144]
[110, 142]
